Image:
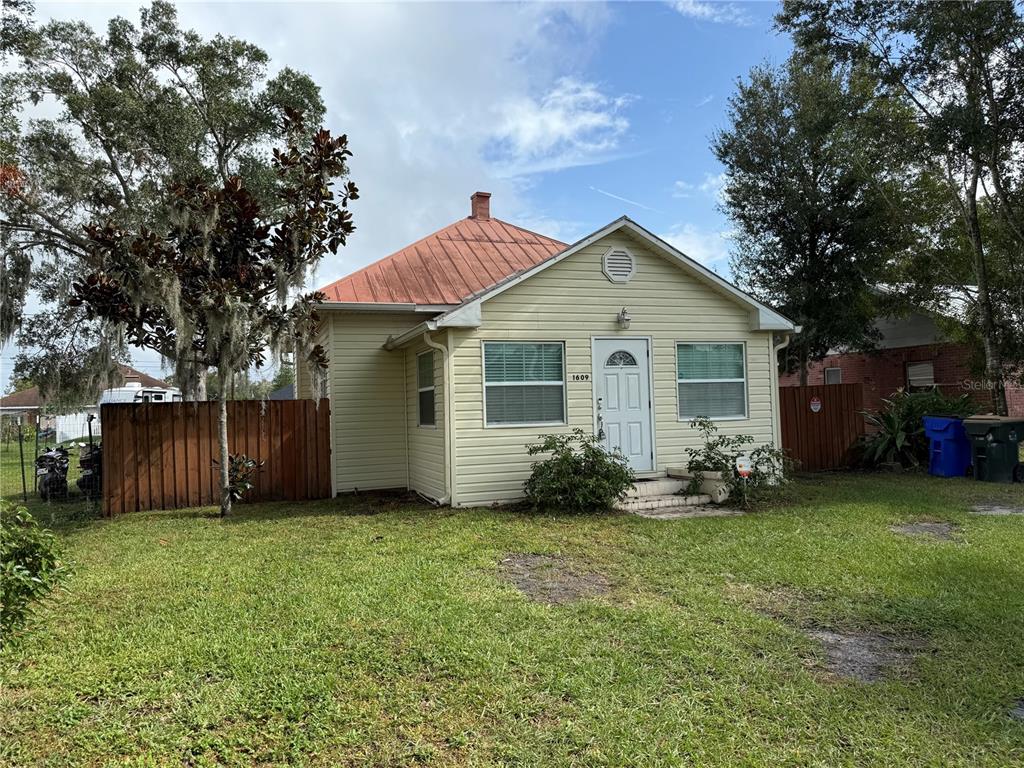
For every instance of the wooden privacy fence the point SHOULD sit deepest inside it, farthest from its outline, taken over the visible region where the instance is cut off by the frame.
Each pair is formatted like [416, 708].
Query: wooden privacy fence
[160, 455]
[821, 423]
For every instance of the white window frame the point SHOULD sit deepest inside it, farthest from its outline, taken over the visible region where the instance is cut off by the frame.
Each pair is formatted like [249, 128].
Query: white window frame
[484, 382]
[420, 390]
[911, 387]
[745, 380]
[825, 376]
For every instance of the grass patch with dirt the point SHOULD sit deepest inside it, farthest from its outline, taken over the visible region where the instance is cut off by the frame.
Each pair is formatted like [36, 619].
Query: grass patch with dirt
[362, 632]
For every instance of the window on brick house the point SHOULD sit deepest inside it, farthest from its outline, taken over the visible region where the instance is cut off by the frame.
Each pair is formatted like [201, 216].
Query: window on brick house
[833, 375]
[920, 376]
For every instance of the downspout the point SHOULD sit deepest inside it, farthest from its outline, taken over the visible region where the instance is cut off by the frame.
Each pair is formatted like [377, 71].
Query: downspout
[449, 421]
[405, 400]
[775, 381]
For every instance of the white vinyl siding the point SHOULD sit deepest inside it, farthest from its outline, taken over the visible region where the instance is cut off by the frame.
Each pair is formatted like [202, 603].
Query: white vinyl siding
[524, 383]
[572, 302]
[425, 444]
[711, 381]
[425, 389]
[368, 408]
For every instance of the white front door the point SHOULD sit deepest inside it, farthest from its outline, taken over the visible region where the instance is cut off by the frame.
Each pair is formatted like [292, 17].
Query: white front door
[622, 399]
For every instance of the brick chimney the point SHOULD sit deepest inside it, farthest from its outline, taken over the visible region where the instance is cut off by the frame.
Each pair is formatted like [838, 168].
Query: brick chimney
[480, 206]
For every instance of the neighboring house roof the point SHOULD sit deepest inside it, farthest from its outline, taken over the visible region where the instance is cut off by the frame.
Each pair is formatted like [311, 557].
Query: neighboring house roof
[25, 398]
[450, 266]
[130, 374]
[287, 392]
[29, 398]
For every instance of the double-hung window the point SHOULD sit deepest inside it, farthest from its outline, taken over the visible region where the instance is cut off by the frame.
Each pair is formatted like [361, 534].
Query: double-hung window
[921, 376]
[711, 381]
[524, 383]
[425, 388]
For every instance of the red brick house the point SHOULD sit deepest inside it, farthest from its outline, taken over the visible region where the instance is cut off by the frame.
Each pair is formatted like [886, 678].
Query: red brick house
[912, 354]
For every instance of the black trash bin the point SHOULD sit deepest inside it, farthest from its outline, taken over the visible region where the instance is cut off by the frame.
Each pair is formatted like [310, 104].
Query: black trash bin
[995, 448]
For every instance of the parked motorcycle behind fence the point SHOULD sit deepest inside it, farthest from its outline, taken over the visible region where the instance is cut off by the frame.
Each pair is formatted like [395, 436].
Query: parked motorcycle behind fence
[90, 462]
[52, 474]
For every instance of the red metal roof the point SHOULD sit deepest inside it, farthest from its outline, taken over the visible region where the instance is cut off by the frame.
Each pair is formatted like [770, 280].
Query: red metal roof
[449, 266]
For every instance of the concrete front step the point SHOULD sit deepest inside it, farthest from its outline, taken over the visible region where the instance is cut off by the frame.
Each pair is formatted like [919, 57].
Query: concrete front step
[661, 501]
[682, 513]
[659, 487]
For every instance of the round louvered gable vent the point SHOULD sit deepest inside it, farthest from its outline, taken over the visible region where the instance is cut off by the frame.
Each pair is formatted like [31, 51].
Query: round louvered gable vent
[619, 265]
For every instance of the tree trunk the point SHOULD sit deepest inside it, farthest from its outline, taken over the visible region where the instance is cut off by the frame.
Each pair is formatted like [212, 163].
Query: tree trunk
[803, 367]
[993, 362]
[201, 386]
[222, 441]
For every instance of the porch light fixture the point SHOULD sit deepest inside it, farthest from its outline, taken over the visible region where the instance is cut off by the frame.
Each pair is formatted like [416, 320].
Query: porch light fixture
[623, 319]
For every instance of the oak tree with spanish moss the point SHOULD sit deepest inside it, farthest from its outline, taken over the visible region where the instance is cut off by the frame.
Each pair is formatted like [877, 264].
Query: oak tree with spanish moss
[223, 285]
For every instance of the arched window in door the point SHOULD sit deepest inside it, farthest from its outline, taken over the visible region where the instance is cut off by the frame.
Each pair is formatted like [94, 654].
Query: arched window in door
[620, 358]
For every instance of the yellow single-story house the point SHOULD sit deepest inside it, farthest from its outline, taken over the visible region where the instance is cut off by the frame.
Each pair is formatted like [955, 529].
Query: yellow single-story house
[448, 357]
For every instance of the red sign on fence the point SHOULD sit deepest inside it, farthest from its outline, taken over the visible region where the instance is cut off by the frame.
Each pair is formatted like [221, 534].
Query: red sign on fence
[815, 405]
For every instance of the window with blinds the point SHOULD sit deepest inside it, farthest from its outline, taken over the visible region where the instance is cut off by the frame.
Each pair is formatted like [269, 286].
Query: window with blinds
[920, 376]
[524, 383]
[426, 389]
[711, 381]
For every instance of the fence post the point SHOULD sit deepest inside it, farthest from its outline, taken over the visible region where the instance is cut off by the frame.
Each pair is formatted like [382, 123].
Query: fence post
[21, 453]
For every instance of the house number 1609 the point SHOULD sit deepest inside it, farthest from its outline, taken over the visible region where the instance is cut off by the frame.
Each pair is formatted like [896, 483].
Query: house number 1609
[579, 377]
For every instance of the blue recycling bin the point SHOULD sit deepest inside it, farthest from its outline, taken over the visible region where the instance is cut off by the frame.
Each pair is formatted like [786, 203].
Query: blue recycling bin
[950, 453]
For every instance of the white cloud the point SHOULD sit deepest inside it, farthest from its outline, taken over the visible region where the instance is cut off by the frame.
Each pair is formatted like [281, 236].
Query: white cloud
[438, 100]
[709, 247]
[705, 101]
[712, 10]
[573, 123]
[682, 189]
[712, 186]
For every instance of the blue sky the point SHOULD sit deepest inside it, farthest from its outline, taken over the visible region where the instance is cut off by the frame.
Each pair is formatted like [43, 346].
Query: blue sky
[571, 115]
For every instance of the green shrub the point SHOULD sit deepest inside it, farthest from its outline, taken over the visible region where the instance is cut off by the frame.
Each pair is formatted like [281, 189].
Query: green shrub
[898, 435]
[770, 468]
[242, 472]
[30, 567]
[578, 475]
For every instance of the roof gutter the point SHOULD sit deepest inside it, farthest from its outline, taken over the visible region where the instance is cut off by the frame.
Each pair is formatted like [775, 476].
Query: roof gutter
[371, 306]
[394, 342]
[462, 316]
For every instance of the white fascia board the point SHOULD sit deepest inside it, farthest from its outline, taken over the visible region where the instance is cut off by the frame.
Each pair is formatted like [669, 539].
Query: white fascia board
[368, 306]
[763, 318]
[465, 316]
[394, 342]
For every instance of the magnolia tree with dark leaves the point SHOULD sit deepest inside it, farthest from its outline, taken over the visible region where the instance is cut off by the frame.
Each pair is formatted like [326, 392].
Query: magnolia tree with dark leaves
[222, 287]
[95, 124]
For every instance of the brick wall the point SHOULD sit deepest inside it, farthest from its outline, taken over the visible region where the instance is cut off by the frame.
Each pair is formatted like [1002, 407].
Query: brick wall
[1015, 400]
[885, 371]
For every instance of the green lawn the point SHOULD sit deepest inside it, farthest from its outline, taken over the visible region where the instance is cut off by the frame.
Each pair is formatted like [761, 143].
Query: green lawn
[370, 633]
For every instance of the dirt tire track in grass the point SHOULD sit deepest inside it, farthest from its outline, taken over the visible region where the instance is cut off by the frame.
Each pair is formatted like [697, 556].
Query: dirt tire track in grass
[551, 579]
[861, 655]
[941, 530]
